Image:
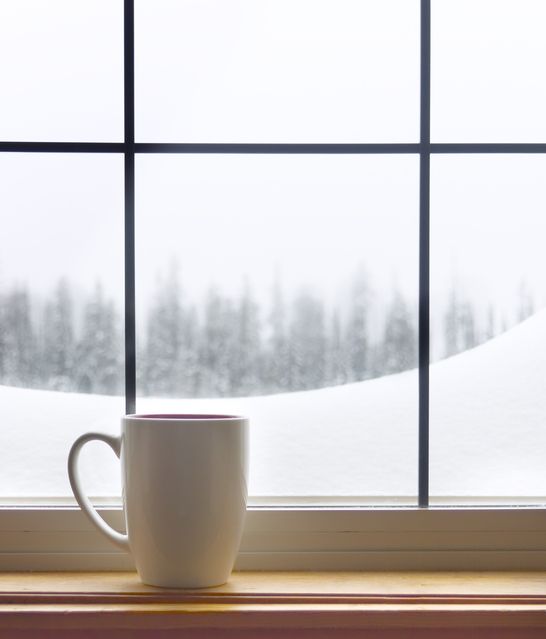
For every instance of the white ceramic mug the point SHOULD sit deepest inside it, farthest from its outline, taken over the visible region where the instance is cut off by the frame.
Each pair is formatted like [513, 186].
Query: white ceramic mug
[184, 481]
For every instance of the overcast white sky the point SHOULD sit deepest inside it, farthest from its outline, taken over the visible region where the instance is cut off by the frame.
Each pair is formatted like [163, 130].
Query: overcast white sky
[274, 71]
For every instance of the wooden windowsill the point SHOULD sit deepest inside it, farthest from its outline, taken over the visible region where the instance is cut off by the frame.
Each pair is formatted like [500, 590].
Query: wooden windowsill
[501, 604]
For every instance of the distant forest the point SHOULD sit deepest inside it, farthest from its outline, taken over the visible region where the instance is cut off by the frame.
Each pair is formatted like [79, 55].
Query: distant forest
[227, 347]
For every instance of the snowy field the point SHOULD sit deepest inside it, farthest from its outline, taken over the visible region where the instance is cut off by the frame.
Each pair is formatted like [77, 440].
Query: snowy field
[487, 423]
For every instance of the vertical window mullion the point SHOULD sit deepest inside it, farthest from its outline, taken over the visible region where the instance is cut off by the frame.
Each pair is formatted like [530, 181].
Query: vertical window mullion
[129, 118]
[424, 258]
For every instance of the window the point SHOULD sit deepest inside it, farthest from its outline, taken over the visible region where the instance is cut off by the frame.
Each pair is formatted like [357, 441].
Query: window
[292, 207]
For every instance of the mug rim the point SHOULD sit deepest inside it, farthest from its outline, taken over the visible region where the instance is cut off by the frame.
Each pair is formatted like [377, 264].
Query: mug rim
[183, 417]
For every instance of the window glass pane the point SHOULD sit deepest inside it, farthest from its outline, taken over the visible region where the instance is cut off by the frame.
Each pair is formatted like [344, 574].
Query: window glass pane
[487, 383]
[488, 71]
[61, 343]
[277, 70]
[285, 287]
[61, 75]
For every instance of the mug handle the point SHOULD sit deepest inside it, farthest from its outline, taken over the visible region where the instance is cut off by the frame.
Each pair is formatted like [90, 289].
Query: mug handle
[118, 538]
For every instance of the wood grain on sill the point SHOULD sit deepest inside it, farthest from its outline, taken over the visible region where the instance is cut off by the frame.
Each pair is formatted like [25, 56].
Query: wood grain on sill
[498, 603]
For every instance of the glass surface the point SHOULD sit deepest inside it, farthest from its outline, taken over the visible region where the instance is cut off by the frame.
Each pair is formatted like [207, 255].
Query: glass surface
[61, 76]
[488, 71]
[277, 71]
[285, 288]
[61, 305]
[488, 223]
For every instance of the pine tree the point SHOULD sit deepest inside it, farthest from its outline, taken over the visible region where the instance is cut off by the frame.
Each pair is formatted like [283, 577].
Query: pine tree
[307, 343]
[189, 371]
[99, 350]
[277, 358]
[400, 339]
[526, 303]
[20, 358]
[336, 354]
[357, 342]
[467, 326]
[217, 345]
[246, 362]
[163, 354]
[459, 325]
[490, 330]
[58, 340]
[451, 325]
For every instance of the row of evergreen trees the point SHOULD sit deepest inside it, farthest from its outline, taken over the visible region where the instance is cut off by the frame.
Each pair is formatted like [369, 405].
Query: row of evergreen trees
[227, 347]
[231, 349]
[41, 348]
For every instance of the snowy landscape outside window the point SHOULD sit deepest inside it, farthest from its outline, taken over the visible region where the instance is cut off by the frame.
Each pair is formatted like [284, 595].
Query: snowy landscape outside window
[279, 203]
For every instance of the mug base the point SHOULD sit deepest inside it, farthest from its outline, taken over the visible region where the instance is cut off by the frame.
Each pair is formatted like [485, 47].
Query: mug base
[181, 584]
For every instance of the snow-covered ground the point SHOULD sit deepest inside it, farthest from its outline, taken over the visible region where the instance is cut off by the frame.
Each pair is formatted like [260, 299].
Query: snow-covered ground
[487, 424]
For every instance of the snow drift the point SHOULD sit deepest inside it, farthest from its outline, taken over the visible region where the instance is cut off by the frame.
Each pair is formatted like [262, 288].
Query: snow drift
[487, 431]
